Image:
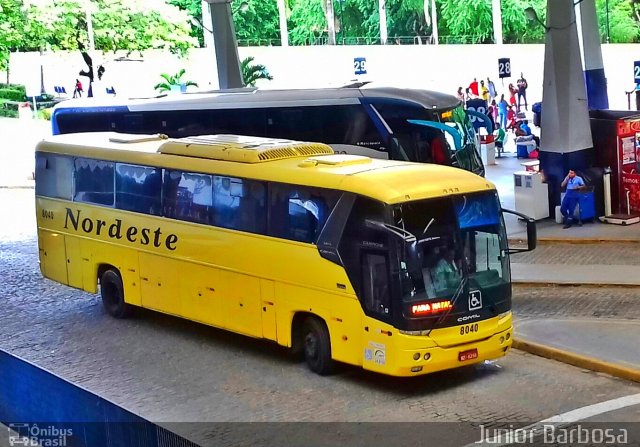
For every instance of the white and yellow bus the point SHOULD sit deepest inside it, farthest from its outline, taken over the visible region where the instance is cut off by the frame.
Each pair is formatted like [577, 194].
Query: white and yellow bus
[401, 268]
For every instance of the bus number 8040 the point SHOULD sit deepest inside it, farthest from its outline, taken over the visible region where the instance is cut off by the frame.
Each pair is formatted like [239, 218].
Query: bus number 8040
[468, 328]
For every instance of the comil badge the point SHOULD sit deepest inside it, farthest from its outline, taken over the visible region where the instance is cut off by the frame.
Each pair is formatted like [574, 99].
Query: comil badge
[475, 300]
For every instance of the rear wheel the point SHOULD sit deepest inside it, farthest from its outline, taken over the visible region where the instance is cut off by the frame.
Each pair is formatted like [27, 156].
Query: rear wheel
[112, 292]
[317, 346]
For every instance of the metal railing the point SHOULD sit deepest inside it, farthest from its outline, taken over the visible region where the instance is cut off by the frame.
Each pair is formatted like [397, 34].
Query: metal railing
[365, 40]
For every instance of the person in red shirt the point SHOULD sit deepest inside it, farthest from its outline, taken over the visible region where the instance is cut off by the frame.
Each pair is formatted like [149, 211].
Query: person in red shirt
[439, 149]
[474, 87]
[511, 119]
[512, 93]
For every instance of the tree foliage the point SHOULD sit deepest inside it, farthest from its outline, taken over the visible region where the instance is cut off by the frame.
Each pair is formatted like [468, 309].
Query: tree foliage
[251, 73]
[32, 25]
[623, 21]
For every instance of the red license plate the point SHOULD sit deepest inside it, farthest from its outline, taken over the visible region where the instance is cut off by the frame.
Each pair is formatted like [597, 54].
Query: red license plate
[468, 355]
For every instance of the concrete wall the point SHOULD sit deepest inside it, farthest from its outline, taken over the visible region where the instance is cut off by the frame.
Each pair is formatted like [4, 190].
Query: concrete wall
[438, 67]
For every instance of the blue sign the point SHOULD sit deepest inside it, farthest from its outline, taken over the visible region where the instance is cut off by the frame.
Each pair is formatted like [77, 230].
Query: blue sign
[636, 72]
[360, 65]
[477, 105]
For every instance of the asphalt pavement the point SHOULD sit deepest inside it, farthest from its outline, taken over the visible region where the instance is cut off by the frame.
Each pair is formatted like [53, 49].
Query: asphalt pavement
[594, 254]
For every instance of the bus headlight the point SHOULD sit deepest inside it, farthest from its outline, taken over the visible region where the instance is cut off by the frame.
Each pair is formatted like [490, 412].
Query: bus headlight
[416, 356]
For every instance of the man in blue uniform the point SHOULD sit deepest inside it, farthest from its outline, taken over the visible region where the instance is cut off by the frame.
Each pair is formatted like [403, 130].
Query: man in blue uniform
[573, 183]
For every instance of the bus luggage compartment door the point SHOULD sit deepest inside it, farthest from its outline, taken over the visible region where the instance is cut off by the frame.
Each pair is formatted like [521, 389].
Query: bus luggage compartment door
[53, 258]
[74, 261]
[268, 309]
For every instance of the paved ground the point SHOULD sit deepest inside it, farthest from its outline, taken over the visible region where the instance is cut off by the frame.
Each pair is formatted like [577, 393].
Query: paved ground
[169, 370]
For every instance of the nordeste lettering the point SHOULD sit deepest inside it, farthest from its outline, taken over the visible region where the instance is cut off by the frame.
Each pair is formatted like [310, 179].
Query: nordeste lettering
[115, 231]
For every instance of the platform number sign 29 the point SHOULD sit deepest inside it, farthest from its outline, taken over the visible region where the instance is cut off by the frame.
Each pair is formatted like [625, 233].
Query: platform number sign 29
[636, 72]
[360, 65]
[504, 67]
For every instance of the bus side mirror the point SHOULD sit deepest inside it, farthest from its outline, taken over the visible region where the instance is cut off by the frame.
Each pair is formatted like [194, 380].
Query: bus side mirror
[532, 232]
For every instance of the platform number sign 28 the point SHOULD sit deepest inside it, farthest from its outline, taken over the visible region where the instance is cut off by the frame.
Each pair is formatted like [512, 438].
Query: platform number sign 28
[504, 67]
[636, 72]
[360, 65]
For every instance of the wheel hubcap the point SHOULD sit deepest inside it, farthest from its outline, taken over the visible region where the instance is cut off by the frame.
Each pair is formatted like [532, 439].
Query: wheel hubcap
[311, 346]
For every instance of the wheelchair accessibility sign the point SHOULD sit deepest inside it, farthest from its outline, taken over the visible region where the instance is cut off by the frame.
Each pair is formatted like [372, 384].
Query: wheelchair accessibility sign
[475, 300]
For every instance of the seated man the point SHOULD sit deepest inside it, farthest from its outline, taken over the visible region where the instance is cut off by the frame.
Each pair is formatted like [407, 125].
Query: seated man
[446, 273]
[574, 183]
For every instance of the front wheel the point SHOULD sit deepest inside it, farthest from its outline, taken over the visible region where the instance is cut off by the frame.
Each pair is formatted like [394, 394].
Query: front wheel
[112, 292]
[317, 346]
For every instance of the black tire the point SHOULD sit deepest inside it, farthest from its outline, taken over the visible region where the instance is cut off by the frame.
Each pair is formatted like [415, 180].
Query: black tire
[317, 346]
[112, 292]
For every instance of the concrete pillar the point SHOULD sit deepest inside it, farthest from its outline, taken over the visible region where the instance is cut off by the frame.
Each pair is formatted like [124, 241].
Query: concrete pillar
[565, 135]
[496, 10]
[225, 44]
[592, 56]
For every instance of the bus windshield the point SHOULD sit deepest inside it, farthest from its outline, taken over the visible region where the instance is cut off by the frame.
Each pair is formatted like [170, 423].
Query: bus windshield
[460, 247]
[434, 136]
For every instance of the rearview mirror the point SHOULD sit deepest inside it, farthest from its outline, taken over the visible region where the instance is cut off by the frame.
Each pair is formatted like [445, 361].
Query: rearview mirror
[532, 232]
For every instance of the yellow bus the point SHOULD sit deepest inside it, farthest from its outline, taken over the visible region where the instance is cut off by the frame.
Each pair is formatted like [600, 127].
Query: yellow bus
[400, 268]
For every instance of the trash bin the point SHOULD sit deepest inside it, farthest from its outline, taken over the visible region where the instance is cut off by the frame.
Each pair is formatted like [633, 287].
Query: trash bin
[537, 113]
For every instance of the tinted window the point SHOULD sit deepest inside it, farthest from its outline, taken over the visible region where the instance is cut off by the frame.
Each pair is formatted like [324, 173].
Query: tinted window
[184, 123]
[188, 196]
[94, 181]
[240, 122]
[138, 188]
[54, 176]
[299, 212]
[239, 204]
[226, 202]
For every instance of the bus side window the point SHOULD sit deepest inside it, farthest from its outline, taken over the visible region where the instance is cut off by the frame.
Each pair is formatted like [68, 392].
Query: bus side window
[138, 188]
[298, 212]
[187, 196]
[54, 176]
[94, 181]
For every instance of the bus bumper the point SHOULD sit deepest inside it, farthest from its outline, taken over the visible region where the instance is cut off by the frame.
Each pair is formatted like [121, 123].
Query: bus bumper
[441, 358]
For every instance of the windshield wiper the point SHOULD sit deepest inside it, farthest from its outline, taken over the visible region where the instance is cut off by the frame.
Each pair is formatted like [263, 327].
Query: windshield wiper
[453, 302]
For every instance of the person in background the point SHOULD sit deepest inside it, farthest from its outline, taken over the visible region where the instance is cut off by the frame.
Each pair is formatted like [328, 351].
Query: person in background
[468, 94]
[512, 94]
[502, 112]
[493, 111]
[484, 91]
[573, 183]
[460, 94]
[77, 91]
[474, 87]
[499, 137]
[511, 119]
[522, 91]
[492, 89]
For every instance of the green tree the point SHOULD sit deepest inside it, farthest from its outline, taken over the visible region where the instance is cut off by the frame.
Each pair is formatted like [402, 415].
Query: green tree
[118, 25]
[256, 23]
[516, 27]
[251, 73]
[623, 23]
[12, 22]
